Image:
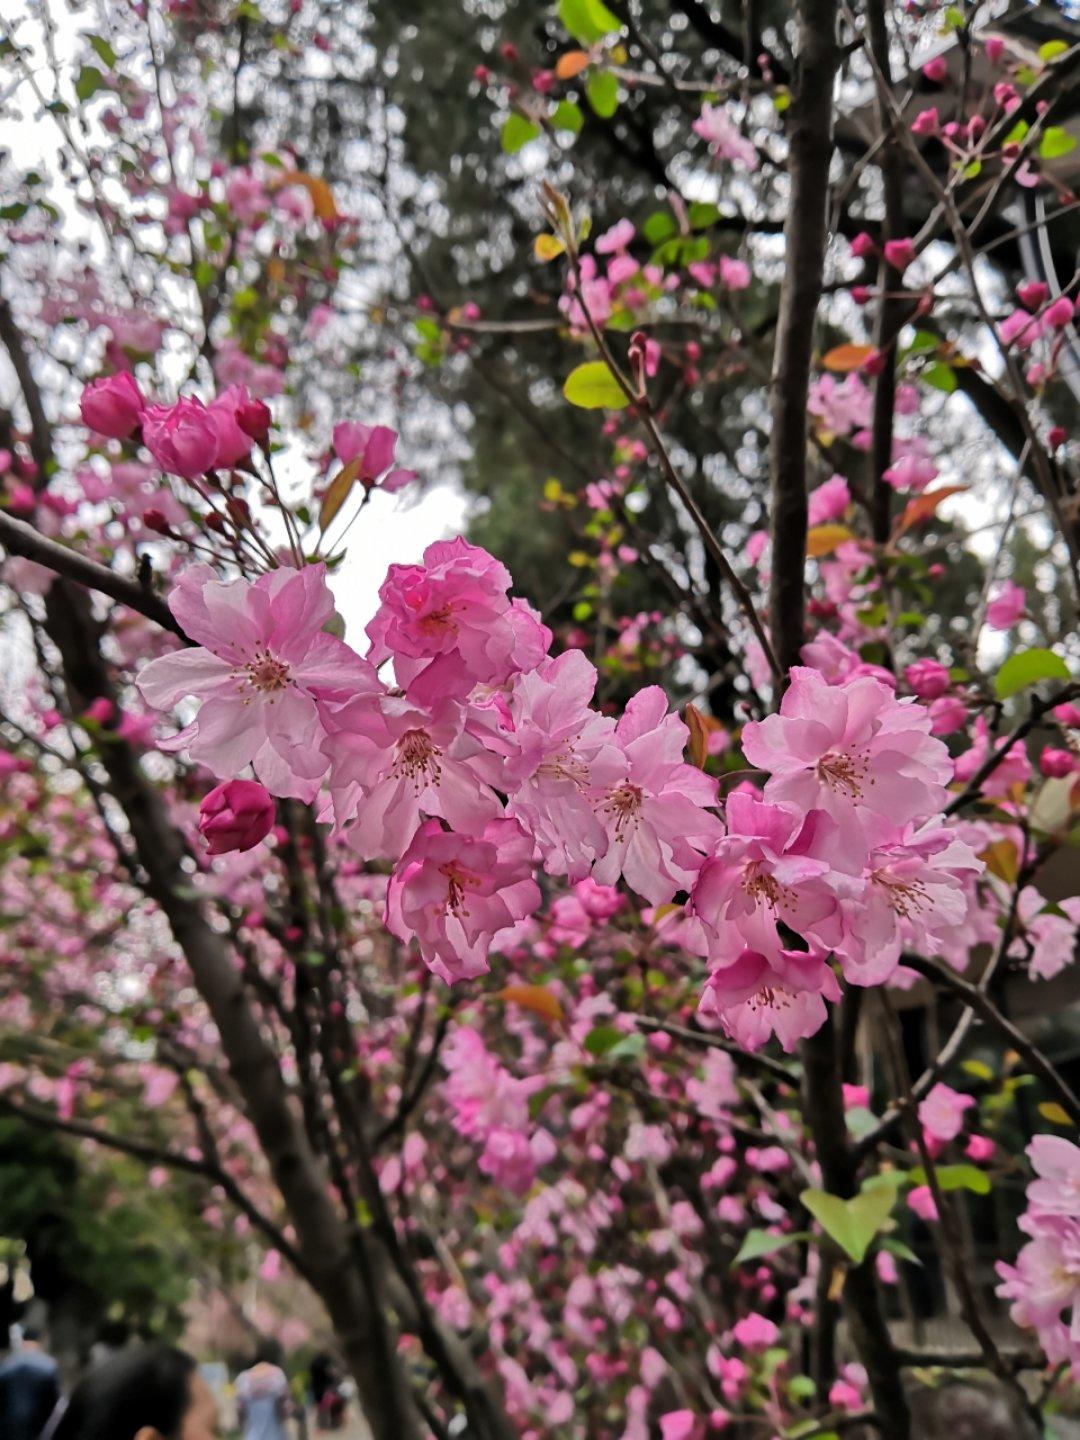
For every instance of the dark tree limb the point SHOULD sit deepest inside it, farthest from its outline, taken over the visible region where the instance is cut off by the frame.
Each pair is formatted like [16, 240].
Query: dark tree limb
[19, 538]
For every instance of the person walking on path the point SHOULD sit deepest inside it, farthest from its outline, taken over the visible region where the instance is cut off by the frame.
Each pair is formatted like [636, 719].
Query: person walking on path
[262, 1396]
[29, 1389]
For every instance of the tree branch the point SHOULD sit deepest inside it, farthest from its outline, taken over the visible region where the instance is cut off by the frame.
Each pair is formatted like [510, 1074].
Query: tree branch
[19, 538]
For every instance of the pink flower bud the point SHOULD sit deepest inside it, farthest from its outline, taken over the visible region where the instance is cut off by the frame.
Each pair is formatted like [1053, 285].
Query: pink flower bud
[1060, 313]
[936, 70]
[236, 816]
[899, 253]
[253, 417]
[861, 294]
[927, 122]
[183, 438]
[113, 405]
[863, 246]
[1057, 435]
[1033, 294]
[928, 679]
[995, 48]
[1057, 764]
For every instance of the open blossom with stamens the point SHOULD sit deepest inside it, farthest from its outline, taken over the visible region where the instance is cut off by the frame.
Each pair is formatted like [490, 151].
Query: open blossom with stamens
[761, 874]
[557, 753]
[654, 814]
[911, 891]
[454, 893]
[782, 994]
[450, 624]
[855, 751]
[261, 667]
[392, 762]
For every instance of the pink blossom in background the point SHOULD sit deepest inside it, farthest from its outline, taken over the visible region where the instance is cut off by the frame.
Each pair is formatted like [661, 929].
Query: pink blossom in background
[1007, 606]
[941, 1114]
[717, 128]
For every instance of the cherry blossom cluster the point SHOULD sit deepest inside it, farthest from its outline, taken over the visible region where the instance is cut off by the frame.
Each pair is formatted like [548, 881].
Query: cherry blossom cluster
[486, 760]
[1044, 1284]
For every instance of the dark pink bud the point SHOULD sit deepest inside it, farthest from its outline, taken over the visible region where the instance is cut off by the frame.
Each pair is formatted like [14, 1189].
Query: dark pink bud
[863, 245]
[1057, 436]
[1057, 764]
[253, 417]
[928, 679]
[236, 816]
[900, 253]
[936, 70]
[1033, 294]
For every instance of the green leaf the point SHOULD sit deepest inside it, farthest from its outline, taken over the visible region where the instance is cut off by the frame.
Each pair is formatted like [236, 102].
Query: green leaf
[852, 1223]
[900, 1250]
[88, 82]
[658, 227]
[630, 1047]
[568, 116]
[602, 93]
[1017, 133]
[103, 50]
[1055, 143]
[1052, 49]
[978, 1069]
[516, 132]
[940, 376]
[602, 1038]
[1027, 668]
[592, 386]
[758, 1243]
[955, 1177]
[701, 215]
[588, 20]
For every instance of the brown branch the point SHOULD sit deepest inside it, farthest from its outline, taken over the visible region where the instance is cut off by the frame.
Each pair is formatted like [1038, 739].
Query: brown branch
[979, 1001]
[19, 538]
[1038, 708]
[810, 149]
[709, 1041]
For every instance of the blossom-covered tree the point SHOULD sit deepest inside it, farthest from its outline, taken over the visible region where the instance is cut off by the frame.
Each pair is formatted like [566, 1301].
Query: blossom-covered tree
[542, 984]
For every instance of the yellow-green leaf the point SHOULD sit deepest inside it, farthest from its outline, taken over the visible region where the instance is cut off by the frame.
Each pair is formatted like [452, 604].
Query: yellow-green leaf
[592, 386]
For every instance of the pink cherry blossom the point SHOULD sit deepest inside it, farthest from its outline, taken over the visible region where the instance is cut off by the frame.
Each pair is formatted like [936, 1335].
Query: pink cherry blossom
[762, 873]
[716, 126]
[454, 893]
[233, 441]
[1007, 606]
[853, 750]
[913, 892]
[558, 754]
[782, 994]
[450, 625]
[183, 438]
[392, 762]
[654, 814]
[941, 1114]
[372, 446]
[261, 666]
[112, 405]
[829, 501]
